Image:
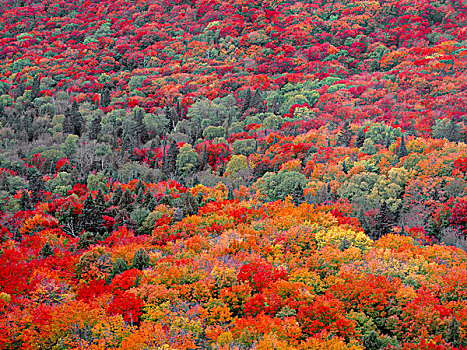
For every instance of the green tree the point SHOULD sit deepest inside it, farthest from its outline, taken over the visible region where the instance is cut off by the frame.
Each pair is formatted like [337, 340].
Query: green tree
[402, 150]
[278, 186]
[345, 136]
[187, 160]
[46, 250]
[141, 259]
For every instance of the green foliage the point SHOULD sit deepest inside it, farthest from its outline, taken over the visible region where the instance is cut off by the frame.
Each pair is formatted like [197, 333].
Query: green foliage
[70, 146]
[187, 160]
[244, 147]
[212, 132]
[278, 186]
[46, 250]
[236, 164]
[141, 259]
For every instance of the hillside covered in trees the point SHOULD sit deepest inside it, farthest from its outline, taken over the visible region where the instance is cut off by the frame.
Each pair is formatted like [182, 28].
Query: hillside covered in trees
[245, 174]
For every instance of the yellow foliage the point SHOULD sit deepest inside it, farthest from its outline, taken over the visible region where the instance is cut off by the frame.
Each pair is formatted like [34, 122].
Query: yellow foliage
[343, 238]
[326, 342]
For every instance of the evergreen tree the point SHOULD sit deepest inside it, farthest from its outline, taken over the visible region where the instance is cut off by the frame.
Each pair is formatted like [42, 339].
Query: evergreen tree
[453, 131]
[170, 164]
[384, 222]
[141, 259]
[117, 195]
[86, 239]
[35, 89]
[297, 194]
[126, 201]
[96, 128]
[46, 250]
[345, 168]
[360, 138]
[67, 125]
[388, 140]
[402, 151]
[372, 342]
[74, 121]
[36, 185]
[91, 218]
[247, 101]
[141, 130]
[190, 204]
[19, 90]
[453, 334]
[24, 200]
[119, 267]
[149, 200]
[105, 98]
[345, 136]
[257, 101]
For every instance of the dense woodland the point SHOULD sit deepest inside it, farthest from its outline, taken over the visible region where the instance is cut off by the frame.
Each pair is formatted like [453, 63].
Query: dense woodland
[246, 174]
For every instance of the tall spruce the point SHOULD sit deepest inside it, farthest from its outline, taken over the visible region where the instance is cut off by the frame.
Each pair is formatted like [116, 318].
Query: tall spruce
[141, 259]
[247, 101]
[383, 221]
[402, 151]
[105, 98]
[345, 136]
[360, 138]
[171, 159]
[96, 128]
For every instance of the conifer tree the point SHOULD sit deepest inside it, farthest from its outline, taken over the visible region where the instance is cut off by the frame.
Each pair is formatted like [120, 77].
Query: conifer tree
[402, 151]
[141, 130]
[46, 250]
[247, 101]
[117, 195]
[126, 201]
[453, 132]
[141, 259]
[90, 217]
[171, 160]
[345, 168]
[119, 267]
[453, 334]
[36, 185]
[360, 138]
[345, 136]
[388, 140]
[384, 223]
[297, 194]
[96, 128]
[35, 89]
[105, 98]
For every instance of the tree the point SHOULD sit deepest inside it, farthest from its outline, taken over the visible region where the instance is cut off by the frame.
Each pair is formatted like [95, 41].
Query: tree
[360, 138]
[453, 334]
[119, 267]
[247, 101]
[278, 186]
[46, 250]
[345, 136]
[141, 259]
[170, 163]
[187, 160]
[74, 121]
[90, 218]
[190, 204]
[402, 151]
[96, 128]
[36, 185]
[105, 99]
[141, 130]
[383, 224]
[35, 90]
